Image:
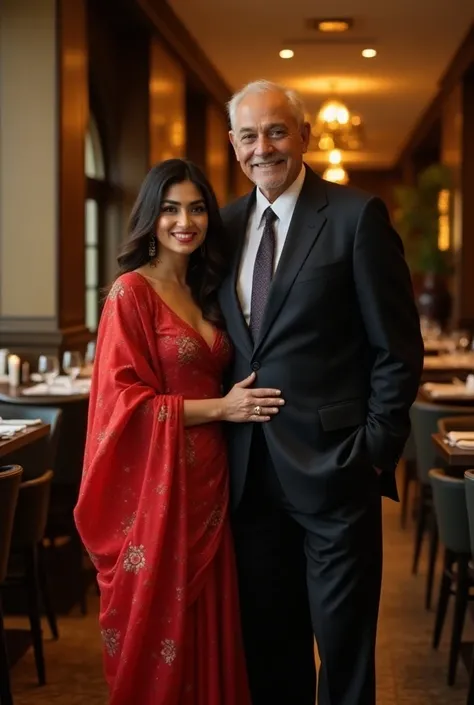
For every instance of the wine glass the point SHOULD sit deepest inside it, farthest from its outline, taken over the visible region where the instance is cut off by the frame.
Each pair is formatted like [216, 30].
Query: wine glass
[72, 364]
[48, 367]
[90, 352]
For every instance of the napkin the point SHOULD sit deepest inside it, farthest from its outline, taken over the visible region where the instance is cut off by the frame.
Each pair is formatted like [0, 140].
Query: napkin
[82, 387]
[7, 431]
[465, 444]
[20, 422]
[456, 436]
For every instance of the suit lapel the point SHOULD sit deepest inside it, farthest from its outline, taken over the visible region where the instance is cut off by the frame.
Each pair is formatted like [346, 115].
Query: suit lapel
[235, 318]
[306, 224]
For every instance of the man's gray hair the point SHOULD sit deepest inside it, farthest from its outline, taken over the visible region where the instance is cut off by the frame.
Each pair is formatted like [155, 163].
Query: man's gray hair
[262, 86]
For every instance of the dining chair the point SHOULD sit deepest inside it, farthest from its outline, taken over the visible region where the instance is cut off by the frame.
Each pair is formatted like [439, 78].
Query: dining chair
[10, 478]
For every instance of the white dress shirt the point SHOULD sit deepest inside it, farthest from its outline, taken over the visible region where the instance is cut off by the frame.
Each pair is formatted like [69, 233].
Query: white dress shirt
[283, 207]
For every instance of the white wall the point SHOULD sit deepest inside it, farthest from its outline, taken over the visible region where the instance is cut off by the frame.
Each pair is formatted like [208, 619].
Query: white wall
[28, 158]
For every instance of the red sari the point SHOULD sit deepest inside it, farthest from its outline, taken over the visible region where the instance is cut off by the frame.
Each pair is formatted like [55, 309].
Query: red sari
[153, 510]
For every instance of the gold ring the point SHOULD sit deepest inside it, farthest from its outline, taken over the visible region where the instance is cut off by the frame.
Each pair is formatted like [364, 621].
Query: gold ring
[257, 411]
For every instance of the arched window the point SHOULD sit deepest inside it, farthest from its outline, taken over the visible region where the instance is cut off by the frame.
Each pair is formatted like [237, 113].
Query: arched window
[94, 157]
[94, 219]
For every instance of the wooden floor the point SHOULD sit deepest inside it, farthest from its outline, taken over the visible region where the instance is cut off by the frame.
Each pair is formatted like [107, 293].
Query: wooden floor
[409, 671]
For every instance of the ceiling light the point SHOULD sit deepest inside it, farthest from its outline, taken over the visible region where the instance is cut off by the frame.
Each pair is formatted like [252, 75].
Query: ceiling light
[333, 25]
[287, 53]
[334, 111]
[369, 53]
[335, 157]
[336, 174]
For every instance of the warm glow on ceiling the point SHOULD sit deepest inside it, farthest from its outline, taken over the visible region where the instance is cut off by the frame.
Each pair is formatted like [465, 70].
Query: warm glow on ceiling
[161, 87]
[356, 159]
[349, 85]
[369, 53]
[333, 25]
[287, 53]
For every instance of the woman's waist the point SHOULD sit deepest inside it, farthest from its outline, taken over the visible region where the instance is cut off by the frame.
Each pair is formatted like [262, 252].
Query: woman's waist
[196, 388]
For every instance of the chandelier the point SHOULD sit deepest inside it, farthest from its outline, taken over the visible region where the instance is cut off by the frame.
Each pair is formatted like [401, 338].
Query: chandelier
[335, 172]
[335, 127]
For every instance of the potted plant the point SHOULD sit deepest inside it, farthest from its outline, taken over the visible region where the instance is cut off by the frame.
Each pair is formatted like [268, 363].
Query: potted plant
[417, 218]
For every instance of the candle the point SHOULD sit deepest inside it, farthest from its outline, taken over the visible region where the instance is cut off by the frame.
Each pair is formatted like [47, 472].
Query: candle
[14, 370]
[4, 361]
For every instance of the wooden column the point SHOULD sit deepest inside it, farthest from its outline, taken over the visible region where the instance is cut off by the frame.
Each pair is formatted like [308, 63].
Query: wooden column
[218, 164]
[196, 133]
[167, 105]
[465, 304]
[73, 115]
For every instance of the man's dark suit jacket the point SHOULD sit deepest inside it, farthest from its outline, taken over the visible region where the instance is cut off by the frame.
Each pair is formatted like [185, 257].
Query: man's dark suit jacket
[340, 337]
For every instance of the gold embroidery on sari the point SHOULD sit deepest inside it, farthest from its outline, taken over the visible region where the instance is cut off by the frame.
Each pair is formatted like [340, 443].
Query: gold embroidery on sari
[190, 449]
[128, 523]
[168, 651]
[111, 639]
[188, 349]
[134, 560]
[163, 413]
[179, 593]
[162, 488]
[116, 290]
[215, 518]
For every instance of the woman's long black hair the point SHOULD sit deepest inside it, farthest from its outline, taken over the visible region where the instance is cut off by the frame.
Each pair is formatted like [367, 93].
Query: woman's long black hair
[208, 265]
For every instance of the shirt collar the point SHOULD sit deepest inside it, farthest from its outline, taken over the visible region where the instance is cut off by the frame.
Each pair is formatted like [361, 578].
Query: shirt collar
[284, 205]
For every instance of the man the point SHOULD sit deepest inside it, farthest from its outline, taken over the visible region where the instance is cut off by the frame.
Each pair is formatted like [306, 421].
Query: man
[320, 305]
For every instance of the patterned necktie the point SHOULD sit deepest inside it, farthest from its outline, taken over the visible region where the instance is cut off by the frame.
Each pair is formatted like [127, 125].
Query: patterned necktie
[262, 272]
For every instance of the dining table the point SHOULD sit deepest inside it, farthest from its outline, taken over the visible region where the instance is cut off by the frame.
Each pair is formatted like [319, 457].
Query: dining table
[74, 407]
[17, 395]
[457, 460]
[25, 437]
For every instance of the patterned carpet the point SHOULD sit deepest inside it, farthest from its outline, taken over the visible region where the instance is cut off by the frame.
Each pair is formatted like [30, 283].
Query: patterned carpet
[409, 671]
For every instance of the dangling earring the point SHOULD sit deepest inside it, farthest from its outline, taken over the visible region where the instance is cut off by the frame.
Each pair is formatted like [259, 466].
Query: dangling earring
[152, 248]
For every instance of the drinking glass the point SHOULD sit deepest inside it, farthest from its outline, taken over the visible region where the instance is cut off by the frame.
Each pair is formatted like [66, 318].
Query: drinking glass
[90, 352]
[72, 364]
[48, 368]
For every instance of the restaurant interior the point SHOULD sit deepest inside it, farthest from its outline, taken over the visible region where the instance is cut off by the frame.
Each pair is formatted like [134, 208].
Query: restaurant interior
[94, 92]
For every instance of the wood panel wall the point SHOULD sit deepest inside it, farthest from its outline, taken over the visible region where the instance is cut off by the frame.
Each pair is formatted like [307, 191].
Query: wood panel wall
[167, 105]
[217, 152]
[73, 115]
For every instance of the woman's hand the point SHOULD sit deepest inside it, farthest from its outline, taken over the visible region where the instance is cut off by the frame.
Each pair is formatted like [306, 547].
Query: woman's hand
[243, 404]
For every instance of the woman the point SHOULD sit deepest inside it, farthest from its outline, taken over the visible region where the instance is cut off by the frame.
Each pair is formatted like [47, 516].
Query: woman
[153, 505]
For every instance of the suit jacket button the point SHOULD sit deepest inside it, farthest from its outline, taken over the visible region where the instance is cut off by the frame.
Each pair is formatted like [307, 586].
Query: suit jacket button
[255, 366]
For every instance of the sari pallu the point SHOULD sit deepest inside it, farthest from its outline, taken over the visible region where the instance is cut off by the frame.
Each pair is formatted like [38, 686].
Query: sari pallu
[132, 510]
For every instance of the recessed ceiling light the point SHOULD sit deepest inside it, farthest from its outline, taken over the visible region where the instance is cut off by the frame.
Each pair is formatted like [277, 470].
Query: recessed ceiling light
[333, 25]
[287, 53]
[369, 53]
